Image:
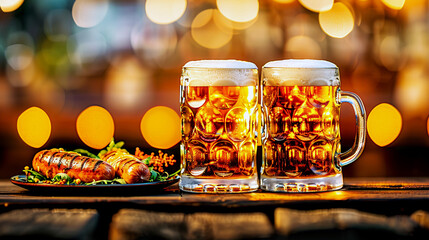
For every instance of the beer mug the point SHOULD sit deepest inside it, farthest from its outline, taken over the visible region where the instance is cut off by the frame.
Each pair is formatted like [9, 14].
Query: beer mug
[219, 105]
[301, 149]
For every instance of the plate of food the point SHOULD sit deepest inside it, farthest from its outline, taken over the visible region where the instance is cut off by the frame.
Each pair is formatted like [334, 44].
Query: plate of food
[113, 170]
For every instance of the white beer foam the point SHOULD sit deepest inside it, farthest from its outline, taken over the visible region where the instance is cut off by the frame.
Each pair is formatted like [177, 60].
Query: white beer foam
[301, 72]
[221, 73]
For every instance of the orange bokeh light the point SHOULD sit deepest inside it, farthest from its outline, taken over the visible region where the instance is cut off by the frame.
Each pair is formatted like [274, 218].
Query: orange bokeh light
[95, 127]
[160, 127]
[10, 5]
[317, 6]
[34, 127]
[338, 22]
[384, 124]
[165, 11]
[394, 4]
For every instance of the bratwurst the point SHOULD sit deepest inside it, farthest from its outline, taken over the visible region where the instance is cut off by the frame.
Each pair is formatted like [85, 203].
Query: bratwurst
[51, 162]
[127, 166]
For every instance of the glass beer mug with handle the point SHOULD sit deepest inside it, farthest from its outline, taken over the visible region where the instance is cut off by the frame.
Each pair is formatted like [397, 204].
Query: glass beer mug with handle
[219, 104]
[300, 105]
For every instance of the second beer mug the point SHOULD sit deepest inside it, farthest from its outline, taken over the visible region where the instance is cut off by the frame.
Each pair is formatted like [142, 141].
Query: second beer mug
[218, 104]
[301, 135]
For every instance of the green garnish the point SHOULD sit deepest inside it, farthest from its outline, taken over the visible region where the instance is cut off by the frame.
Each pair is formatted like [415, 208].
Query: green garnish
[112, 146]
[86, 153]
[104, 182]
[62, 178]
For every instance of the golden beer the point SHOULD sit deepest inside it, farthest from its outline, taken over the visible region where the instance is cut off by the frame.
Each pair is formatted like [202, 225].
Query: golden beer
[303, 130]
[219, 127]
[301, 102]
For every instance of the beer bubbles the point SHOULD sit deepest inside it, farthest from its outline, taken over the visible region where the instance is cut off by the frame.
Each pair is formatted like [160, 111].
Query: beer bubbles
[384, 124]
[302, 72]
[222, 73]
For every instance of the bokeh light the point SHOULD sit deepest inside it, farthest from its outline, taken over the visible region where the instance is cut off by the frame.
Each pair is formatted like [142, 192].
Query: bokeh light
[303, 47]
[243, 25]
[10, 5]
[390, 53]
[19, 56]
[411, 90]
[394, 4]
[89, 13]
[337, 22]
[384, 124]
[128, 85]
[238, 10]
[87, 49]
[165, 11]
[6, 93]
[263, 40]
[209, 34]
[95, 127]
[153, 42]
[42, 90]
[58, 25]
[160, 127]
[284, 1]
[34, 127]
[317, 6]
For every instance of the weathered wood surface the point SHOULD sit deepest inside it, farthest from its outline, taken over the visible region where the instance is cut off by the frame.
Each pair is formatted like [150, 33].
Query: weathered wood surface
[377, 204]
[288, 221]
[388, 183]
[355, 191]
[140, 224]
[48, 224]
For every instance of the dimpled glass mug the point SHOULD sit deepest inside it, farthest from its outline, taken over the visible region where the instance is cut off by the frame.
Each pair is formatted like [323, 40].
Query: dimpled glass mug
[219, 104]
[301, 147]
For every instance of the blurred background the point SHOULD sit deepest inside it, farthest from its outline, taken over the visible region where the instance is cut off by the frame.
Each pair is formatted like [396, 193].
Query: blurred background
[120, 62]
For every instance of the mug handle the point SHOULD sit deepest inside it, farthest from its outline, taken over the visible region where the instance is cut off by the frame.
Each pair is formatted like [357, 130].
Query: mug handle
[353, 153]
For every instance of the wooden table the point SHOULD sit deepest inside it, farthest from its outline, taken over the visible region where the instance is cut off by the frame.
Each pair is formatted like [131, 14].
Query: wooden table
[383, 196]
[403, 195]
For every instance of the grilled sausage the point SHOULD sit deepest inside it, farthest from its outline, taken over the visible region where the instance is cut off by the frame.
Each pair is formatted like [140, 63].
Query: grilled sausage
[127, 166]
[51, 162]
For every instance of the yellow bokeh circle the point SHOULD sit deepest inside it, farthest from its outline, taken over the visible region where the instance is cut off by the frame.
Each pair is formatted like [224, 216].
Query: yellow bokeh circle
[394, 4]
[238, 10]
[165, 11]
[160, 127]
[338, 22]
[95, 127]
[318, 5]
[10, 5]
[384, 124]
[210, 31]
[34, 127]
